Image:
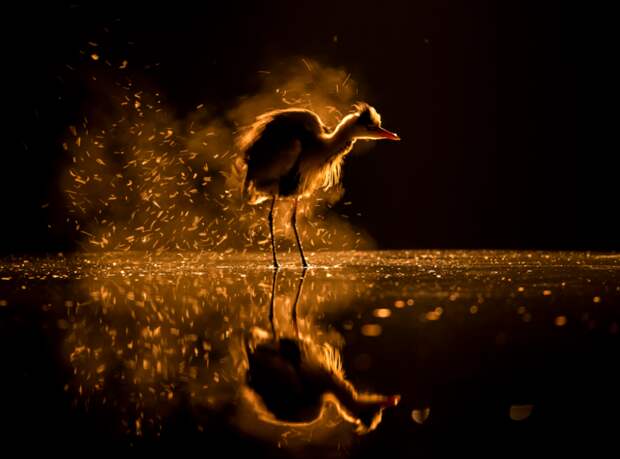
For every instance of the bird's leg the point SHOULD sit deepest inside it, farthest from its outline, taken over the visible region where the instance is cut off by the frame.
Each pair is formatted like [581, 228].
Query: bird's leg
[294, 223]
[294, 313]
[272, 302]
[273, 239]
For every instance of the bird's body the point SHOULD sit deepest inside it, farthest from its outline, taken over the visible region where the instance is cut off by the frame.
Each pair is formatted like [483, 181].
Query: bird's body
[289, 387]
[294, 155]
[294, 377]
[291, 153]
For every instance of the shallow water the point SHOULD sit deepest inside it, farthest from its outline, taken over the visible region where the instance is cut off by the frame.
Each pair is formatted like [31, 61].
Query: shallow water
[492, 352]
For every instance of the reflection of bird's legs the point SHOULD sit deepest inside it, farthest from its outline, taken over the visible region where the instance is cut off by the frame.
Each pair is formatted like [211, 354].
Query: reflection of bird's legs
[294, 313]
[294, 223]
[273, 239]
[271, 303]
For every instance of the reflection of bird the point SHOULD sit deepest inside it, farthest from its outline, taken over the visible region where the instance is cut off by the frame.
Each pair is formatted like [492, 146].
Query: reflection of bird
[291, 153]
[295, 377]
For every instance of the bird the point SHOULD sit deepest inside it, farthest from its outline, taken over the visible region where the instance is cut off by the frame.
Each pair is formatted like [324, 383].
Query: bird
[294, 377]
[290, 153]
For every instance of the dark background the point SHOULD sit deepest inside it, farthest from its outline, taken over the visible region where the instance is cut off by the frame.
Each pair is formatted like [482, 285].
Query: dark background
[483, 95]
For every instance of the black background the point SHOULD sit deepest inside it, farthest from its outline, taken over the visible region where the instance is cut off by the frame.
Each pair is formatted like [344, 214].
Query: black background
[483, 94]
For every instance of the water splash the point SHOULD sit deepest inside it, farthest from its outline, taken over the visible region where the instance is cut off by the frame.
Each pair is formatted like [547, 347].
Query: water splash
[141, 178]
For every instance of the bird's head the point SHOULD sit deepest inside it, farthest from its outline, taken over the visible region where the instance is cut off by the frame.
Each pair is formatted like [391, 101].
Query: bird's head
[369, 411]
[367, 124]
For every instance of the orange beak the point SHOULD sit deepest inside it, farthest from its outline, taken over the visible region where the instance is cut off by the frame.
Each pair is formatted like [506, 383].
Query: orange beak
[392, 400]
[385, 134]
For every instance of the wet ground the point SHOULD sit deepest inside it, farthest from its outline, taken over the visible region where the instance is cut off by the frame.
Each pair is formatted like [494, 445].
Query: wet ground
[493, 353]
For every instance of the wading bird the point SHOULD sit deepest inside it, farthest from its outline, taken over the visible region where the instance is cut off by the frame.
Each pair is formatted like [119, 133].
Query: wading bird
[290, 154]
[294, 378]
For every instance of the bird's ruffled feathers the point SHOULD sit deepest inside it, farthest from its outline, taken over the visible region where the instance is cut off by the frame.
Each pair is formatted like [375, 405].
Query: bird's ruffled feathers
[367, 113]
[315, 172]
[243, 142]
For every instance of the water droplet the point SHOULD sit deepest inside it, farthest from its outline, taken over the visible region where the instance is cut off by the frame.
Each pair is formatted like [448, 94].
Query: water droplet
[371, 330]
[435, 314]
[560, 321]
[382, 313]
[420, 416]
[520, 412]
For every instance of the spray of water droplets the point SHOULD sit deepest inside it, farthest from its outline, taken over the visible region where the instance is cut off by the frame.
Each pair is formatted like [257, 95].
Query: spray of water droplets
[142, 179]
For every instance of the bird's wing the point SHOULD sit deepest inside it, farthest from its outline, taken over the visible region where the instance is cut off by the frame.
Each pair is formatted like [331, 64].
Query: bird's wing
[277, 144]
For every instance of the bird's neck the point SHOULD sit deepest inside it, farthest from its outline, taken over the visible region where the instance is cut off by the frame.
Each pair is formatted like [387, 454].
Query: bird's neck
[352, 405]
[341, 139]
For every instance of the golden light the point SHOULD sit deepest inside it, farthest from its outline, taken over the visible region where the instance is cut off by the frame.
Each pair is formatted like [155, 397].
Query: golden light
[435, 314]
[371, 330]
[382, 313]
[560, 321]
